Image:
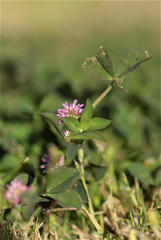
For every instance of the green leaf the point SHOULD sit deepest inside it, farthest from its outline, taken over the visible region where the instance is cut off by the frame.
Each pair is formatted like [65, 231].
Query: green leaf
[81, 191]
[98, 171]
[105, 60]
[87, 135]
[72, 123]
[9, 162]
[139, 171]
[84, 125]
[69, 198]
[30, 197]
[94, 69]
[134, 58]
[87, 112]
[52, 120]
[23, 178]
[98, 123]
[61, 179]
[29, 200]
[71, 152]
[27, 211]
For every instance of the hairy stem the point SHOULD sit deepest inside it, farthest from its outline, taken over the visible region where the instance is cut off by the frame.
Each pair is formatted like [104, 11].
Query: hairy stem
[99, 99]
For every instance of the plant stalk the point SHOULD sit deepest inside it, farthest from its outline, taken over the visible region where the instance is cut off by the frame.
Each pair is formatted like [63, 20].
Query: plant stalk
[99, 99]
[82, 173]
[86, 188]
[93, 220]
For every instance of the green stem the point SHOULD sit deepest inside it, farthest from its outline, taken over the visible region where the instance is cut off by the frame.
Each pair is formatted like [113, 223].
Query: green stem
[80, 157]
[99, 99]
[86, 188]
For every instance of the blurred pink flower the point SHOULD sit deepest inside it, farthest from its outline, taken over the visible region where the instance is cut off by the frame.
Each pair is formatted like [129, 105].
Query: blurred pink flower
[45, 162]
[60, 163]
[66, 133]
[15, 190]
[70, 110]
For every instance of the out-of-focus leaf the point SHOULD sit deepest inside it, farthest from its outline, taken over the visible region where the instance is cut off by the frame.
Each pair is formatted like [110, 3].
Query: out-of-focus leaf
[94, 189]
[127, 120]
[139, 171]
[61, 179]
[23, 178]
[29, 200]
[69, 198]
[9, 161]
[98, 171]
[94, 157]
[30, 196]
[27, 211]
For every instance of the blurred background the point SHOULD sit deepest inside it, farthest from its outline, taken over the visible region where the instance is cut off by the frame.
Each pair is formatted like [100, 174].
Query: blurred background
[43, 47]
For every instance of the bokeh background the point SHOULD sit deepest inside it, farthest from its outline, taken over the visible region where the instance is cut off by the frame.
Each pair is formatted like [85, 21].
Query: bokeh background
[43, 45]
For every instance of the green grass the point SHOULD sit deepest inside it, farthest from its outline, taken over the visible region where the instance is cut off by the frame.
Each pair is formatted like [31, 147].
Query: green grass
[125, 216]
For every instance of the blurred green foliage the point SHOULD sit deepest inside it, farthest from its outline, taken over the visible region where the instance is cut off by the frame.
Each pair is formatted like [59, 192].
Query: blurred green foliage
[41, 68]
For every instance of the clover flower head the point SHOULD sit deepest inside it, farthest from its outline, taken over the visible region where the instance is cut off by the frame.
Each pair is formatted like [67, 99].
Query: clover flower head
[70, 110]
[15, 190]
[45, 162]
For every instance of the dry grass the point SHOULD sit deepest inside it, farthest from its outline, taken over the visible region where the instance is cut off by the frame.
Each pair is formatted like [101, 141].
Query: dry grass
[115, 220]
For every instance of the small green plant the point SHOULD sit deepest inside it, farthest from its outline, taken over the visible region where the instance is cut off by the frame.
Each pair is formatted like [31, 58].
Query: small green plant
[63, 174]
